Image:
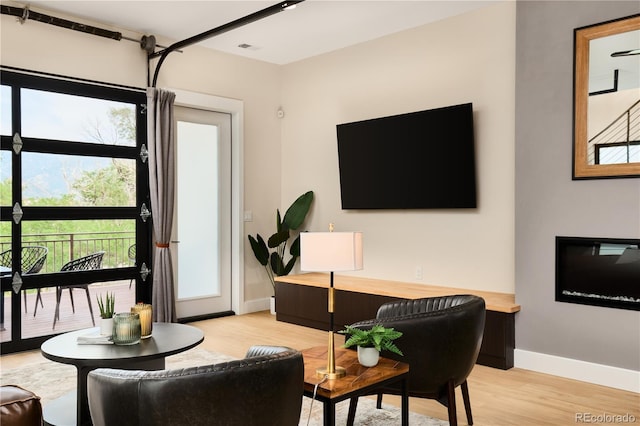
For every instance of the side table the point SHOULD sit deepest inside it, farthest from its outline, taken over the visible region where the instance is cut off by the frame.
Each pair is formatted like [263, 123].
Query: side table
[359, 380]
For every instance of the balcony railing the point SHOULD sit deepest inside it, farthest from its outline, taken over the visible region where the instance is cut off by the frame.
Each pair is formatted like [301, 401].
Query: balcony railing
[619, 142]
[67, 246]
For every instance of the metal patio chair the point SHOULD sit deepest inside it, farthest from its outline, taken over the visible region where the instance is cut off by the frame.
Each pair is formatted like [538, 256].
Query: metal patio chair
[132, 257]
[32, 260]
[86, 263]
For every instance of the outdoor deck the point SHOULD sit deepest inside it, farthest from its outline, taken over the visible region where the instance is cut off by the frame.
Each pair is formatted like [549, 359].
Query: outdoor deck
[42, 323]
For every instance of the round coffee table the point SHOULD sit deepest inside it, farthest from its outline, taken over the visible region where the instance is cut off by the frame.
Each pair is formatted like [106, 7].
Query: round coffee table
[166, 339]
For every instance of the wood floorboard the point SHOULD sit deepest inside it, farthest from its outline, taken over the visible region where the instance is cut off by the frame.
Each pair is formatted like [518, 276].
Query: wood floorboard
[498, 397]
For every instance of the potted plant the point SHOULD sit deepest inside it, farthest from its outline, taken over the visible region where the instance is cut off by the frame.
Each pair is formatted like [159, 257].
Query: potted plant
[371, 341]
[274, 261]
[107, 309]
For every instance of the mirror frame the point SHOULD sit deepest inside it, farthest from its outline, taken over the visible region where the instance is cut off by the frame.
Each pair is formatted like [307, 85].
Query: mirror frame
[582, 37]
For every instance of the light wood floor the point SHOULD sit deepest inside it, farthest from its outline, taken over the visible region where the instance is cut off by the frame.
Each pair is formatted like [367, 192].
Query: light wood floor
[512, 397]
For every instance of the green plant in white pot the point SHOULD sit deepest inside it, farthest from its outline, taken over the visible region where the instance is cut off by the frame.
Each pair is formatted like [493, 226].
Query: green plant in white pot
[272, 253]
[371, 341]
[107, 309]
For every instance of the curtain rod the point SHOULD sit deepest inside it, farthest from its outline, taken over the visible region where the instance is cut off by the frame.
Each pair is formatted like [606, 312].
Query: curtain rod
[271, 10]
[23, 14]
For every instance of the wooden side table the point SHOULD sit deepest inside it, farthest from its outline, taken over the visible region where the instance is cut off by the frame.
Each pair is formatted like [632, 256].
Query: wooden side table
[359, 380]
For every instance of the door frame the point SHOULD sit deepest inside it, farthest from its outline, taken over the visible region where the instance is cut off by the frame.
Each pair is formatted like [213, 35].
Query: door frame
[235, 108]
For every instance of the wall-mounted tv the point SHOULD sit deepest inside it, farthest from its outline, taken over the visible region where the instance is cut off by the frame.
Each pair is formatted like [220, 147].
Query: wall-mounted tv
[418, 160]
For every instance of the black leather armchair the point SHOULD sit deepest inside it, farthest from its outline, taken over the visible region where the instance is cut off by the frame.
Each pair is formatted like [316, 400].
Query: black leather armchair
[265, 388]
[441, 340]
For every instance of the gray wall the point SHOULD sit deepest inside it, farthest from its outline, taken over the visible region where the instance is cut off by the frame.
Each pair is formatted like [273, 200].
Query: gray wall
[549, 203]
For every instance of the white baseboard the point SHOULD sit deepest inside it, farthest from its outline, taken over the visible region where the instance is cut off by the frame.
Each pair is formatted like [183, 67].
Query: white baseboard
[256, 305]
[605, 375]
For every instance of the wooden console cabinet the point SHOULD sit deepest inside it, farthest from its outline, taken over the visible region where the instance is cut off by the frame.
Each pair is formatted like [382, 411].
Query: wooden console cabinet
[302, 299]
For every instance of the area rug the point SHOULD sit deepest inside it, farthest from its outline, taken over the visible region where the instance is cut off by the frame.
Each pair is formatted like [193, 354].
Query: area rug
[366, 415]
[51, 380]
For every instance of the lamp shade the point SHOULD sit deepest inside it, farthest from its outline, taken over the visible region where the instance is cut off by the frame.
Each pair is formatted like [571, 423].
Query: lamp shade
[330, 251]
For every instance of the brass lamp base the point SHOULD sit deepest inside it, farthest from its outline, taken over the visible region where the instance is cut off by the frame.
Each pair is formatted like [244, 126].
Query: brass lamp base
[331, 372]
[321, 373]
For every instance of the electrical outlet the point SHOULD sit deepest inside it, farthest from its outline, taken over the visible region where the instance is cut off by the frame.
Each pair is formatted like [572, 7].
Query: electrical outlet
[419, 273]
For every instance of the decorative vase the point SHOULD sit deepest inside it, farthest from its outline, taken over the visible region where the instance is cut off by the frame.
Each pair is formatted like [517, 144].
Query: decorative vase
[106, 326]
[368, 357]
[126, 329]
[272, 305]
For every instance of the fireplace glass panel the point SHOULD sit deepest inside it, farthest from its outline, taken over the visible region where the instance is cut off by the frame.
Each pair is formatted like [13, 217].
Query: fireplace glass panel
[601, 272]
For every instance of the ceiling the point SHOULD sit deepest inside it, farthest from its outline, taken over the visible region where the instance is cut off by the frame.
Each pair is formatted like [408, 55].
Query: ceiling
[602, 64]
[312, 28]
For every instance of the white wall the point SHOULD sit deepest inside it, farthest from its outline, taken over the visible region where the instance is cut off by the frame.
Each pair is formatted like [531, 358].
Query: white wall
[603, 109]
[469, 58]
[550, 204]
[42, 47]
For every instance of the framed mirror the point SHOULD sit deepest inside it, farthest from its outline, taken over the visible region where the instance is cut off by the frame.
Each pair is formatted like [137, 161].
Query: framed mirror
[607, 99]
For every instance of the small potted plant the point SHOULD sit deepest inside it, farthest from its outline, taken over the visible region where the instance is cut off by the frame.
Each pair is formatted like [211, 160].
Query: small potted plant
[107, 309]
[370, 342]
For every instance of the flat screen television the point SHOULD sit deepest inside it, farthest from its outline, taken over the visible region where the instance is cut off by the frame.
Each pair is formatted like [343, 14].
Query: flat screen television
[417, 160]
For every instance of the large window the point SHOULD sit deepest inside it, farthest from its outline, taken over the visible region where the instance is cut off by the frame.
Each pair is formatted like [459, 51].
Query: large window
[73, 184]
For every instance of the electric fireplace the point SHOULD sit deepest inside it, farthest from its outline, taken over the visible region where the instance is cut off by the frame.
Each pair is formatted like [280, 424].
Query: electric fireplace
[598, 271]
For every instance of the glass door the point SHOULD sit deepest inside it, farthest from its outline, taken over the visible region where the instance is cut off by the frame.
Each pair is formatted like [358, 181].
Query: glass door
[72, 186]
[201, 243]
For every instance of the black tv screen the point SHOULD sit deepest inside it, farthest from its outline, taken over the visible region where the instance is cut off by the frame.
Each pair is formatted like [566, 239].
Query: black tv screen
[418, 160]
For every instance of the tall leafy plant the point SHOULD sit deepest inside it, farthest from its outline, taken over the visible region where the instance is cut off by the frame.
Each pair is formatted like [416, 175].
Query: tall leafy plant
[271, 254]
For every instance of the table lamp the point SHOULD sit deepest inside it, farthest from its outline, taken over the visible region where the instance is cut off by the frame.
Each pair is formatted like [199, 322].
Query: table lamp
[330, 252]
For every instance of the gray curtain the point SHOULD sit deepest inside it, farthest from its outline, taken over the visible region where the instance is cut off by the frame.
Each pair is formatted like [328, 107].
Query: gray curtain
[161, 141]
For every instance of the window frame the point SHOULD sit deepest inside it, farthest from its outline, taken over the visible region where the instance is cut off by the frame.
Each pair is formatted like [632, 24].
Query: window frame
[69, 86]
